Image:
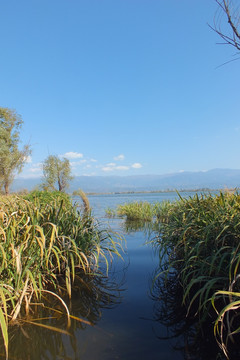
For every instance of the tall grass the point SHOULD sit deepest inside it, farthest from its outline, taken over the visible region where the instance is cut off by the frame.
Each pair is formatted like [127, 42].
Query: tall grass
[199, 241]
[135, 211]
[45, 242]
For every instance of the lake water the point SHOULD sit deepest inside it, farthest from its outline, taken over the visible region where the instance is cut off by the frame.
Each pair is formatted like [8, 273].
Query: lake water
[121, 307]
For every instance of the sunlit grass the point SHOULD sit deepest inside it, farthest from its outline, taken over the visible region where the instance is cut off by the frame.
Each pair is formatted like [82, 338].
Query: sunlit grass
[199, 240]
[44, 243]
[136, 211]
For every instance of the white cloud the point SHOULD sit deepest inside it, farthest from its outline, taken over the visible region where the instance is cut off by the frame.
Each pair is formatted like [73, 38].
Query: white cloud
[33, 171]
[91, 174]
[93, 160]
[79, 162]
[36, 168]
[75, 164]
[107, 168]
[119, 157]
[121, 167]
[112, 167]
[28, 159]
[136, 166]
[111, 164]
[72, 155]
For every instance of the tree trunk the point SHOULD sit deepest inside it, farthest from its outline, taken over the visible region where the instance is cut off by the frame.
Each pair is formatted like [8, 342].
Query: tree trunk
[6, 187]
[60, 188]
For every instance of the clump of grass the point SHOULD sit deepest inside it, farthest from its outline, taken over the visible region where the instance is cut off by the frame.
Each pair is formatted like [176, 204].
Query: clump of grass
[43, 198]
[44, 243]
[110, 213]
[199, 241]
[142, 211]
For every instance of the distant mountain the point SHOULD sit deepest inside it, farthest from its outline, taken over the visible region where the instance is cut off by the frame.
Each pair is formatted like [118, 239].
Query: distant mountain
[212, 179]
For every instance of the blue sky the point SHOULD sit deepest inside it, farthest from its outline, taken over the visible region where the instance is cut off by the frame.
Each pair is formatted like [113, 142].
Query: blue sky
[121, 87]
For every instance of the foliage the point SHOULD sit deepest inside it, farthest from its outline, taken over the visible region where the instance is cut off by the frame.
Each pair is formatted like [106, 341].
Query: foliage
[83, 196]
[199, 243]
[11, 158]
[45, 244]
[90, 295]
[47, 197]
[198, 240]
[140, 211]
[110, 213]
[137, 211]
[56, 172]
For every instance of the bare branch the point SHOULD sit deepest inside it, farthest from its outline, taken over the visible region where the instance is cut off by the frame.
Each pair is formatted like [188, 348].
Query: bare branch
[230, 10]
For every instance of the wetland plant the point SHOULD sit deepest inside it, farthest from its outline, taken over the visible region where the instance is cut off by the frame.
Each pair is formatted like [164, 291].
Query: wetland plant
[45, 243]
[135, 211]
[199, 243]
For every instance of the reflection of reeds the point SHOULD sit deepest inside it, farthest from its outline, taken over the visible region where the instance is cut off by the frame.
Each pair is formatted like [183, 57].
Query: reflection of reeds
[199, 239]
[90, 295]
[194, 341]
[44, 243]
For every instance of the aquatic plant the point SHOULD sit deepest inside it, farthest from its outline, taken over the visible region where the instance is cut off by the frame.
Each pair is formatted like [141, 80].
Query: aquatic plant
[142, 211]
[90, 295]
[84, 198]
[193, 340]
[110, 213]
[199, 242]
[44, 244]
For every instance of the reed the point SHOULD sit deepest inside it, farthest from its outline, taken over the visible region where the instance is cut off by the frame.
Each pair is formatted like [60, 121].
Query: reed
[85, 201]
[45, 242]
[141, 211]
[199, 241]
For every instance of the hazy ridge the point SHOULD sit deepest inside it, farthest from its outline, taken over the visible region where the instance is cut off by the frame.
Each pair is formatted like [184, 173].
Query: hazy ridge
[212, 179]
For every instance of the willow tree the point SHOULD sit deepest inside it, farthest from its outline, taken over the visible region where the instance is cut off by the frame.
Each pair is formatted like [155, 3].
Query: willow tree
[11, 158]
[57, 173]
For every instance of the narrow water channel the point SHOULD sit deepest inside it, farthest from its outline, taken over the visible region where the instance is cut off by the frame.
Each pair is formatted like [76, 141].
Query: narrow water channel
[120, 307]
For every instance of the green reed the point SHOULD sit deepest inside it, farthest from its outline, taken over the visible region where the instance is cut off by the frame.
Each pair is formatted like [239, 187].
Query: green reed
[45, 242]
[199, 241]
[140, 211]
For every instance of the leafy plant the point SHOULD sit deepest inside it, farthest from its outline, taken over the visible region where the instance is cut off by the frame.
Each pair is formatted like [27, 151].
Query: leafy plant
[198, 240]
[44, 244]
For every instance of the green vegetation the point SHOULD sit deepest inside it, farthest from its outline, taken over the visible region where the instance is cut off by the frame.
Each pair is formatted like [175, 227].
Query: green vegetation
[83, 196]
[45, 246]
[136, 211]
[198, 240]
[11, 158]
[57, 173]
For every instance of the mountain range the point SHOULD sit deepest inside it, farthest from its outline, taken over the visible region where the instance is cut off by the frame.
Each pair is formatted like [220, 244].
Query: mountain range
[186, 180]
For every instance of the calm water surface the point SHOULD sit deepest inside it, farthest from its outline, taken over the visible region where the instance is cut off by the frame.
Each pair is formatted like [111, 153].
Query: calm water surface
[120, 307]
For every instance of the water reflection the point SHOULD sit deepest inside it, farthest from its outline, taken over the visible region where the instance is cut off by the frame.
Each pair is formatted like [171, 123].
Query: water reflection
[90, 296]
[129, 226]
[194, 341]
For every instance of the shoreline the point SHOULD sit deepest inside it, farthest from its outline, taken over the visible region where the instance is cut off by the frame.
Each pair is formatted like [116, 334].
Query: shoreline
[156, 191]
